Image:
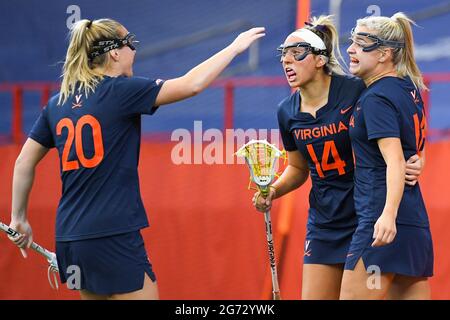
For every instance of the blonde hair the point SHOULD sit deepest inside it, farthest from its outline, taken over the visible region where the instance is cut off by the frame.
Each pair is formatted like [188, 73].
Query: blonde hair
[397, 28]
[79, 72]
[324, 27]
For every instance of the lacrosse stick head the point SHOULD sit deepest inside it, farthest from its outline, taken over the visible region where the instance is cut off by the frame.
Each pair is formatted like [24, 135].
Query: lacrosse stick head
[260, 157]
[50, 256]
[52, 272]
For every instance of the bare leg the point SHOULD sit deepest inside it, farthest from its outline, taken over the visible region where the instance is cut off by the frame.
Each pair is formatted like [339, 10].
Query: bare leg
[358, 284]
[321, 282]
[148, 292]
[409, 288]
[86, 295]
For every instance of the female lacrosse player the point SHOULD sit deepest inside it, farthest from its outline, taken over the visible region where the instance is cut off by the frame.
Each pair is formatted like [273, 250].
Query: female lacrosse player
[94, 122]
[393, 235]
[314, 124]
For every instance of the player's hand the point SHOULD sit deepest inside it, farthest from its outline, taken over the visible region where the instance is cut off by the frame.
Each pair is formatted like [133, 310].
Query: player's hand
[384, 230]
[25, 239]
[264, 204]
[414, 167]
[245, 39]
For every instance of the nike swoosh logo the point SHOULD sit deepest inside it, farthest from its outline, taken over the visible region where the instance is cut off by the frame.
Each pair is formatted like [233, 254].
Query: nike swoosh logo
[350, 254]
[343, 111]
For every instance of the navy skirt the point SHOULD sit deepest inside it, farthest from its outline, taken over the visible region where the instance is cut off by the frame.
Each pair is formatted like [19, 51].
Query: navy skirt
[327, 245]
[106, 266]
[410, 254]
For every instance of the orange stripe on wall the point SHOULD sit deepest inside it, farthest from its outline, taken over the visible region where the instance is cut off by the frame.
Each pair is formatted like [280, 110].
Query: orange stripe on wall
[303, 10]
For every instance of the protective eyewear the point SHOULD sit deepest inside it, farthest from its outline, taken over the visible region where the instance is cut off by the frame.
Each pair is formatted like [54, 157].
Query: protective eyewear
[299, 50]
[103, 46]
[375, 41]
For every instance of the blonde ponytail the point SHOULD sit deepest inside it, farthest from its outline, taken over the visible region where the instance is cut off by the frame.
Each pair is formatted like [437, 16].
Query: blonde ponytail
[398, 28]
[324, 27]
[79, 73]
[406, 64]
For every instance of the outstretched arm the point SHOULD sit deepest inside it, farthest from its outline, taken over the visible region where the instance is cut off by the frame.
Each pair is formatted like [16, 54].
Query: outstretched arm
[201, 76]
[32, 152]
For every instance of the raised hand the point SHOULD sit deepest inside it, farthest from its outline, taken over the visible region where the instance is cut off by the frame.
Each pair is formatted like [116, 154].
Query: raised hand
[245, 39]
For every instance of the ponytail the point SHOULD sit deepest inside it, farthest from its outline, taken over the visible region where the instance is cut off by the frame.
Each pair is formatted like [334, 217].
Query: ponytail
[79, 72]
[324, 27]
[406, 64]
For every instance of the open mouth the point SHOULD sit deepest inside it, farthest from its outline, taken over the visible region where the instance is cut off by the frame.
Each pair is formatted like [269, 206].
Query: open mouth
[354, 61]
[290, 74]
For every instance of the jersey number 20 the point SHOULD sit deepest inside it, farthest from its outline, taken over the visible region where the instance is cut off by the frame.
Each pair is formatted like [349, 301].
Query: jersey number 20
[75, 133]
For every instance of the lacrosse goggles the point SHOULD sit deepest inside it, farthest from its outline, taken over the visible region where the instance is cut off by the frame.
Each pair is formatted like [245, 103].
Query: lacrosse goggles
[103, 46]
[299, 50]
[375, 41]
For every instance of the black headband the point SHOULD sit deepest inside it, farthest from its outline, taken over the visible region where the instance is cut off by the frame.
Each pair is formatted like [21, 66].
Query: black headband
[320, 27]
[103, 46]
[89, 24]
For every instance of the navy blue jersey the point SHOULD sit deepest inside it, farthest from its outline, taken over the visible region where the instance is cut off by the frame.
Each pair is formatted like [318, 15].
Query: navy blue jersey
[98, 141]
[390, 107]
[325, 144]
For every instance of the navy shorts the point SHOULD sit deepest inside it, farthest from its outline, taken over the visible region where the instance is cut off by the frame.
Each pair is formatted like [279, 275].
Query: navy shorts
[327, 245]
[410, 254]
[108, 265]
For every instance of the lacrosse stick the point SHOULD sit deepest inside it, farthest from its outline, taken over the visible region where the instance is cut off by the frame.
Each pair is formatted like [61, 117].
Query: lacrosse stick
[50, 256]
[260, 157]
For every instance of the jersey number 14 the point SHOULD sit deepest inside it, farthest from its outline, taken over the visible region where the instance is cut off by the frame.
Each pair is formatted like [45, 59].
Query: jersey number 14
[324, 165]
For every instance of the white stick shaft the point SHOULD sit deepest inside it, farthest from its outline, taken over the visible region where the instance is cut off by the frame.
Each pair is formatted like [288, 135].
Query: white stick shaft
[273, 264]
[39, 249]
[50, 256]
